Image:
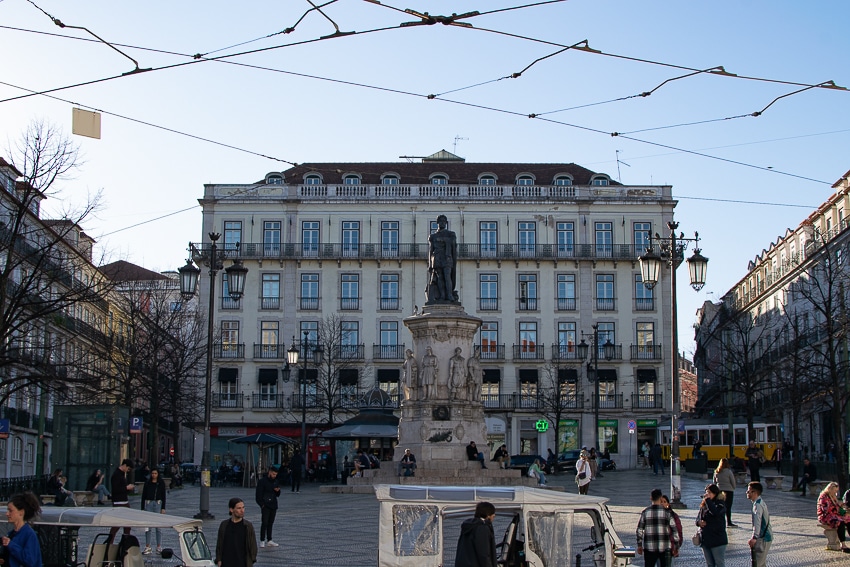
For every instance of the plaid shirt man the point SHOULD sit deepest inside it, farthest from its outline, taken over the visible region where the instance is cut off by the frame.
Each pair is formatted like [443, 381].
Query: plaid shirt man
[656, 532]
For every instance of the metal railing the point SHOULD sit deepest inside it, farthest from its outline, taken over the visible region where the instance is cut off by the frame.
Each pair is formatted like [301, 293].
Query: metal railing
[269, 303]
[227, 401]
[565, 352]
[268, 401]
[565, 303]
[647, 401]
[491, 352]
[610, 401]
[646, 352]
[269, 351]
[529, 352]
[229, 350]
[387, 352]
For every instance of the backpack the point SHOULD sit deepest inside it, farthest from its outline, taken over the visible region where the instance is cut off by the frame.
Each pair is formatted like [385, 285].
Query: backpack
[127, 541]
[374, 462]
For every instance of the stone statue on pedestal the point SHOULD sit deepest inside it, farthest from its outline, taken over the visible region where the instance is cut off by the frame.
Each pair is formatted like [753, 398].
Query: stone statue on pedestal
[457, 375]
[442, 263]
[410, 373]
[475, 377]
[429, 374]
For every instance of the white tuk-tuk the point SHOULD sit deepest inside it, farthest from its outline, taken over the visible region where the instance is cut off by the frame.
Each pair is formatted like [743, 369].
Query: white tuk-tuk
[420, 525]
[59, 535]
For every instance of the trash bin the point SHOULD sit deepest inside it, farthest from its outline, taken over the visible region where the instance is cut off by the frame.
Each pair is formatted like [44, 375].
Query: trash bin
[698, 465]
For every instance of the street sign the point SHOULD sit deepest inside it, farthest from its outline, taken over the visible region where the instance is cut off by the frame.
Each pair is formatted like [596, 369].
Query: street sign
[4, 428]
[136, 424]
[632, 425]
[541, 425]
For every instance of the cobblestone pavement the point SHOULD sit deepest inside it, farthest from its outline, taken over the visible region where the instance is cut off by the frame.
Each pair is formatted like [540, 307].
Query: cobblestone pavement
[316, 529]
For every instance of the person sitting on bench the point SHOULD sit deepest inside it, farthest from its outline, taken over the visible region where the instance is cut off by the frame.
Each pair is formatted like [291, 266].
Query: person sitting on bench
[407, 464]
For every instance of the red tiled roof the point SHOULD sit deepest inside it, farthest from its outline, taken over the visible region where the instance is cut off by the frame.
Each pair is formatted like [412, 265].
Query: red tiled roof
[122, 271]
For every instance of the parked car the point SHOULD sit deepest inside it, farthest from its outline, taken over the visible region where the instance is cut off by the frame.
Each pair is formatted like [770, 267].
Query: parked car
[522, 462]
[567, 460]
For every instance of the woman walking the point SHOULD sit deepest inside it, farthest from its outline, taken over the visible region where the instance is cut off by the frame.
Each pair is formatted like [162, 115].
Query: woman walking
[153, 500]
[21, 544]
[724, 478]
[583, 475]
[832, 514]
[711, 520]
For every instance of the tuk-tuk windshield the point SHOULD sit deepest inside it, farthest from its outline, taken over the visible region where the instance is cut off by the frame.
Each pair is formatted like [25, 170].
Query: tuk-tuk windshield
[549, 536]
[415, 530]
[197, 546]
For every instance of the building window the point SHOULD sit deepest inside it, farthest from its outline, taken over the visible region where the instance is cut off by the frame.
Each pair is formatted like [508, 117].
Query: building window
[2, 449]
[17, 449]
[230, 339]
[312, 330]
[313, 179]
[271, 292]
[389, 239]
[528, 339]
[390, 180]
[30, 451]
[439, 180]
[232, 235]
[349, 291]
[566, 340]
[228, 394]
[270, 339]
[604, 239]
[642, 232]
[527, 292]
[562, 180]
[271, 239]
[351, 238]
[606, 333]
[605, 292]
[487, 180]
[527, 232]
[309, 291]
[349, 339]
[525, 180]
[488, 238]
[645, 339]
[488, 287]
[268, 394]
[351, 180]
[389, 291]
[490, 393]
[566, 289]
[388, 381]
[528, 387]
[489, 341]
[600, 181]
[644, 300]
[310, 238]
[566, 239]
[389, 340]
[274, 180]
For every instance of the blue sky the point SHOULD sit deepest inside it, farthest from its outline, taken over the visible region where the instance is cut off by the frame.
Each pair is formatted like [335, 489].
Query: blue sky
[146, 172]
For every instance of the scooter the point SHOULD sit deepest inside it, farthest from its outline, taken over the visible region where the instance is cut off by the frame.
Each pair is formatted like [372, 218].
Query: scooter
[608, 466]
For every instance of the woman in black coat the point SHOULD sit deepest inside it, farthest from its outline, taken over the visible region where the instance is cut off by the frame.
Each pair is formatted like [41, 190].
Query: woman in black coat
[711, 520]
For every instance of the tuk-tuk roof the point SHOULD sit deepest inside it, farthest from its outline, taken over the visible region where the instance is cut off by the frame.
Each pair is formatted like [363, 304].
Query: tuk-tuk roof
[113, 517]
[493, 494]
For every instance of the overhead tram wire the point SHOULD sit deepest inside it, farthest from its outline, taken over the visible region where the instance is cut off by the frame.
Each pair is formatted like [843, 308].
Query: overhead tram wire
[740, 202]
[152, 125]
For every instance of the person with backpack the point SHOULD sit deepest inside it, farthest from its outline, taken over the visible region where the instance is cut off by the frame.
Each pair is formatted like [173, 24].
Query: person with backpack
[153, 500]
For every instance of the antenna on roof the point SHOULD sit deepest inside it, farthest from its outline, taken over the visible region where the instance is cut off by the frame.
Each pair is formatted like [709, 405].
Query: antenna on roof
[457, 139]
[618, 165]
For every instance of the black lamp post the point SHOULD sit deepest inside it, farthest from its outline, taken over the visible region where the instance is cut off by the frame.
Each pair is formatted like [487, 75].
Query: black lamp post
[672, 251]
[608, 353]
[189, 275]
[293, 355]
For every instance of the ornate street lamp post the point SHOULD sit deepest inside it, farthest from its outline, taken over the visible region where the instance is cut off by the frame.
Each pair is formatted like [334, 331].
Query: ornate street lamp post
[293, 355]
[608, 352]
[671, 252]
[189, 275]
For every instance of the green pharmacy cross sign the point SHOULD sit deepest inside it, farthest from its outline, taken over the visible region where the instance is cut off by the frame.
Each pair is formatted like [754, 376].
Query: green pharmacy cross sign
[541, 425]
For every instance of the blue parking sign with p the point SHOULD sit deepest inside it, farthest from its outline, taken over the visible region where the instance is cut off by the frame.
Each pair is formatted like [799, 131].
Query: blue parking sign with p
[136, 425]
[4, 428]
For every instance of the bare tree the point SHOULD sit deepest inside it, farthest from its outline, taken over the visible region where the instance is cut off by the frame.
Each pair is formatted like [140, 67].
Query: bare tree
[557, 396]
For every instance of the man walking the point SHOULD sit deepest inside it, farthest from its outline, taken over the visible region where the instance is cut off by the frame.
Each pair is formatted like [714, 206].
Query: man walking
[268, 491]
[762, 533]
[656, 533]
[810, 473]
[121, 487]
[296, 465]
[476, 546]
[754, 458]
[655, 459]
[236, 545]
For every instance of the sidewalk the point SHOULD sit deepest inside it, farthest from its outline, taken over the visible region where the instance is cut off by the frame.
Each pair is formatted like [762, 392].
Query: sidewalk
[316, 529]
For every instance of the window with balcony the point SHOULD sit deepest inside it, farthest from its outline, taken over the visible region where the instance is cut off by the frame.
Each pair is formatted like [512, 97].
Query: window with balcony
[488, 289]
[489, 340]
[230, 339]
[528, 339]
[349, 340]
[267, 382]
[312, 330]
[645, 340]
[270, 340]
[604, 239]
[566, 290]
[528, 387]
[646, 389]
[232, 235]
[527, 233]
[606, 333]
[349, 298]
[487, 180]
[566, 340]
[310, 291]
[228, 387]
[271, 239]
[644, 298]
[525, 180]
[310, 238]
[605, 292]
[389, 239]
[390, 180]
[566, 239]
[271, 291]
[527, 299]
[439, 180]
[600, 181]
[348, 380]
[351, 179]
[350, 238]
[389, 348]
[607, 390]
[389, 292]
[562, 181]
[490, 388]
[388, 381]
[312, 179]
[488, 238]
[641, 235]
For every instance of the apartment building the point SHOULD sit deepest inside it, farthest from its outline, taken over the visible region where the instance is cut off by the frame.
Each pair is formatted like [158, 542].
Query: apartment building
[546, 251]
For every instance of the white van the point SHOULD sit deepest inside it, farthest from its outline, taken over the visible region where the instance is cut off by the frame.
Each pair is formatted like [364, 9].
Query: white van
[419, 526]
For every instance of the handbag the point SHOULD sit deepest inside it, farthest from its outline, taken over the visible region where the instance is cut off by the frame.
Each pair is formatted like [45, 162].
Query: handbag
[582, 476]
[697, 538]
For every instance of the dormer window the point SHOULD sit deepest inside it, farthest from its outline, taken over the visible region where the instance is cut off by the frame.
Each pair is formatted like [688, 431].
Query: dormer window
[487, 180]
[312, 179]
[439, 180]
[525, 180]
[351, 179]
[562, 181]
[599, 180]
[274, 180]
[389, 180]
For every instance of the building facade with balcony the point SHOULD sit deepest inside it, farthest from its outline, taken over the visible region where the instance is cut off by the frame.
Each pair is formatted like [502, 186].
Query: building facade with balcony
[778, 338]
[545, 251]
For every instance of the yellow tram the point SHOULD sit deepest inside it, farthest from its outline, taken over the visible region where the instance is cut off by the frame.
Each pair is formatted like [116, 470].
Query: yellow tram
[714, 434]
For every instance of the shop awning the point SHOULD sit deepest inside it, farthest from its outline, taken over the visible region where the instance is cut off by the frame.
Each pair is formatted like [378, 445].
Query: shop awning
[646, 375]
[267, 376]
[348, 376]
[528, 375]
[567, 375]
[607, 375]
[228, 374]
[492, 376]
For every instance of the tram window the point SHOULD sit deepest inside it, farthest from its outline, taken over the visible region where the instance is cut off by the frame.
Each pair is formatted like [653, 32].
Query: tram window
[740, 436]
[760, 435]
[726, 437]
[691, 436]
[772, 434]
[715, 437]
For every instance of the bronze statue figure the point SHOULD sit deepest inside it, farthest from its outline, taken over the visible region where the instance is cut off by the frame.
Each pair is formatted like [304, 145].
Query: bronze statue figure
[442, 264]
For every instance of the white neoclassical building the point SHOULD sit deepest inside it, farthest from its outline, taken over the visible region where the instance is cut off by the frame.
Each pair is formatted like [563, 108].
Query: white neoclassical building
[545, 252]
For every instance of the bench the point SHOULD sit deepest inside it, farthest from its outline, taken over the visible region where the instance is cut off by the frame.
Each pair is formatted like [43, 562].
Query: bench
[816, 486]
[774, 481]
[832, 541]
[84, 497]
[741, 478]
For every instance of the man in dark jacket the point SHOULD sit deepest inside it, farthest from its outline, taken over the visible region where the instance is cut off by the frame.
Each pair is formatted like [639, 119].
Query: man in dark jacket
[476, 546]
[810, 473]
[267, 494]
[296, 464]
[121, 488]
